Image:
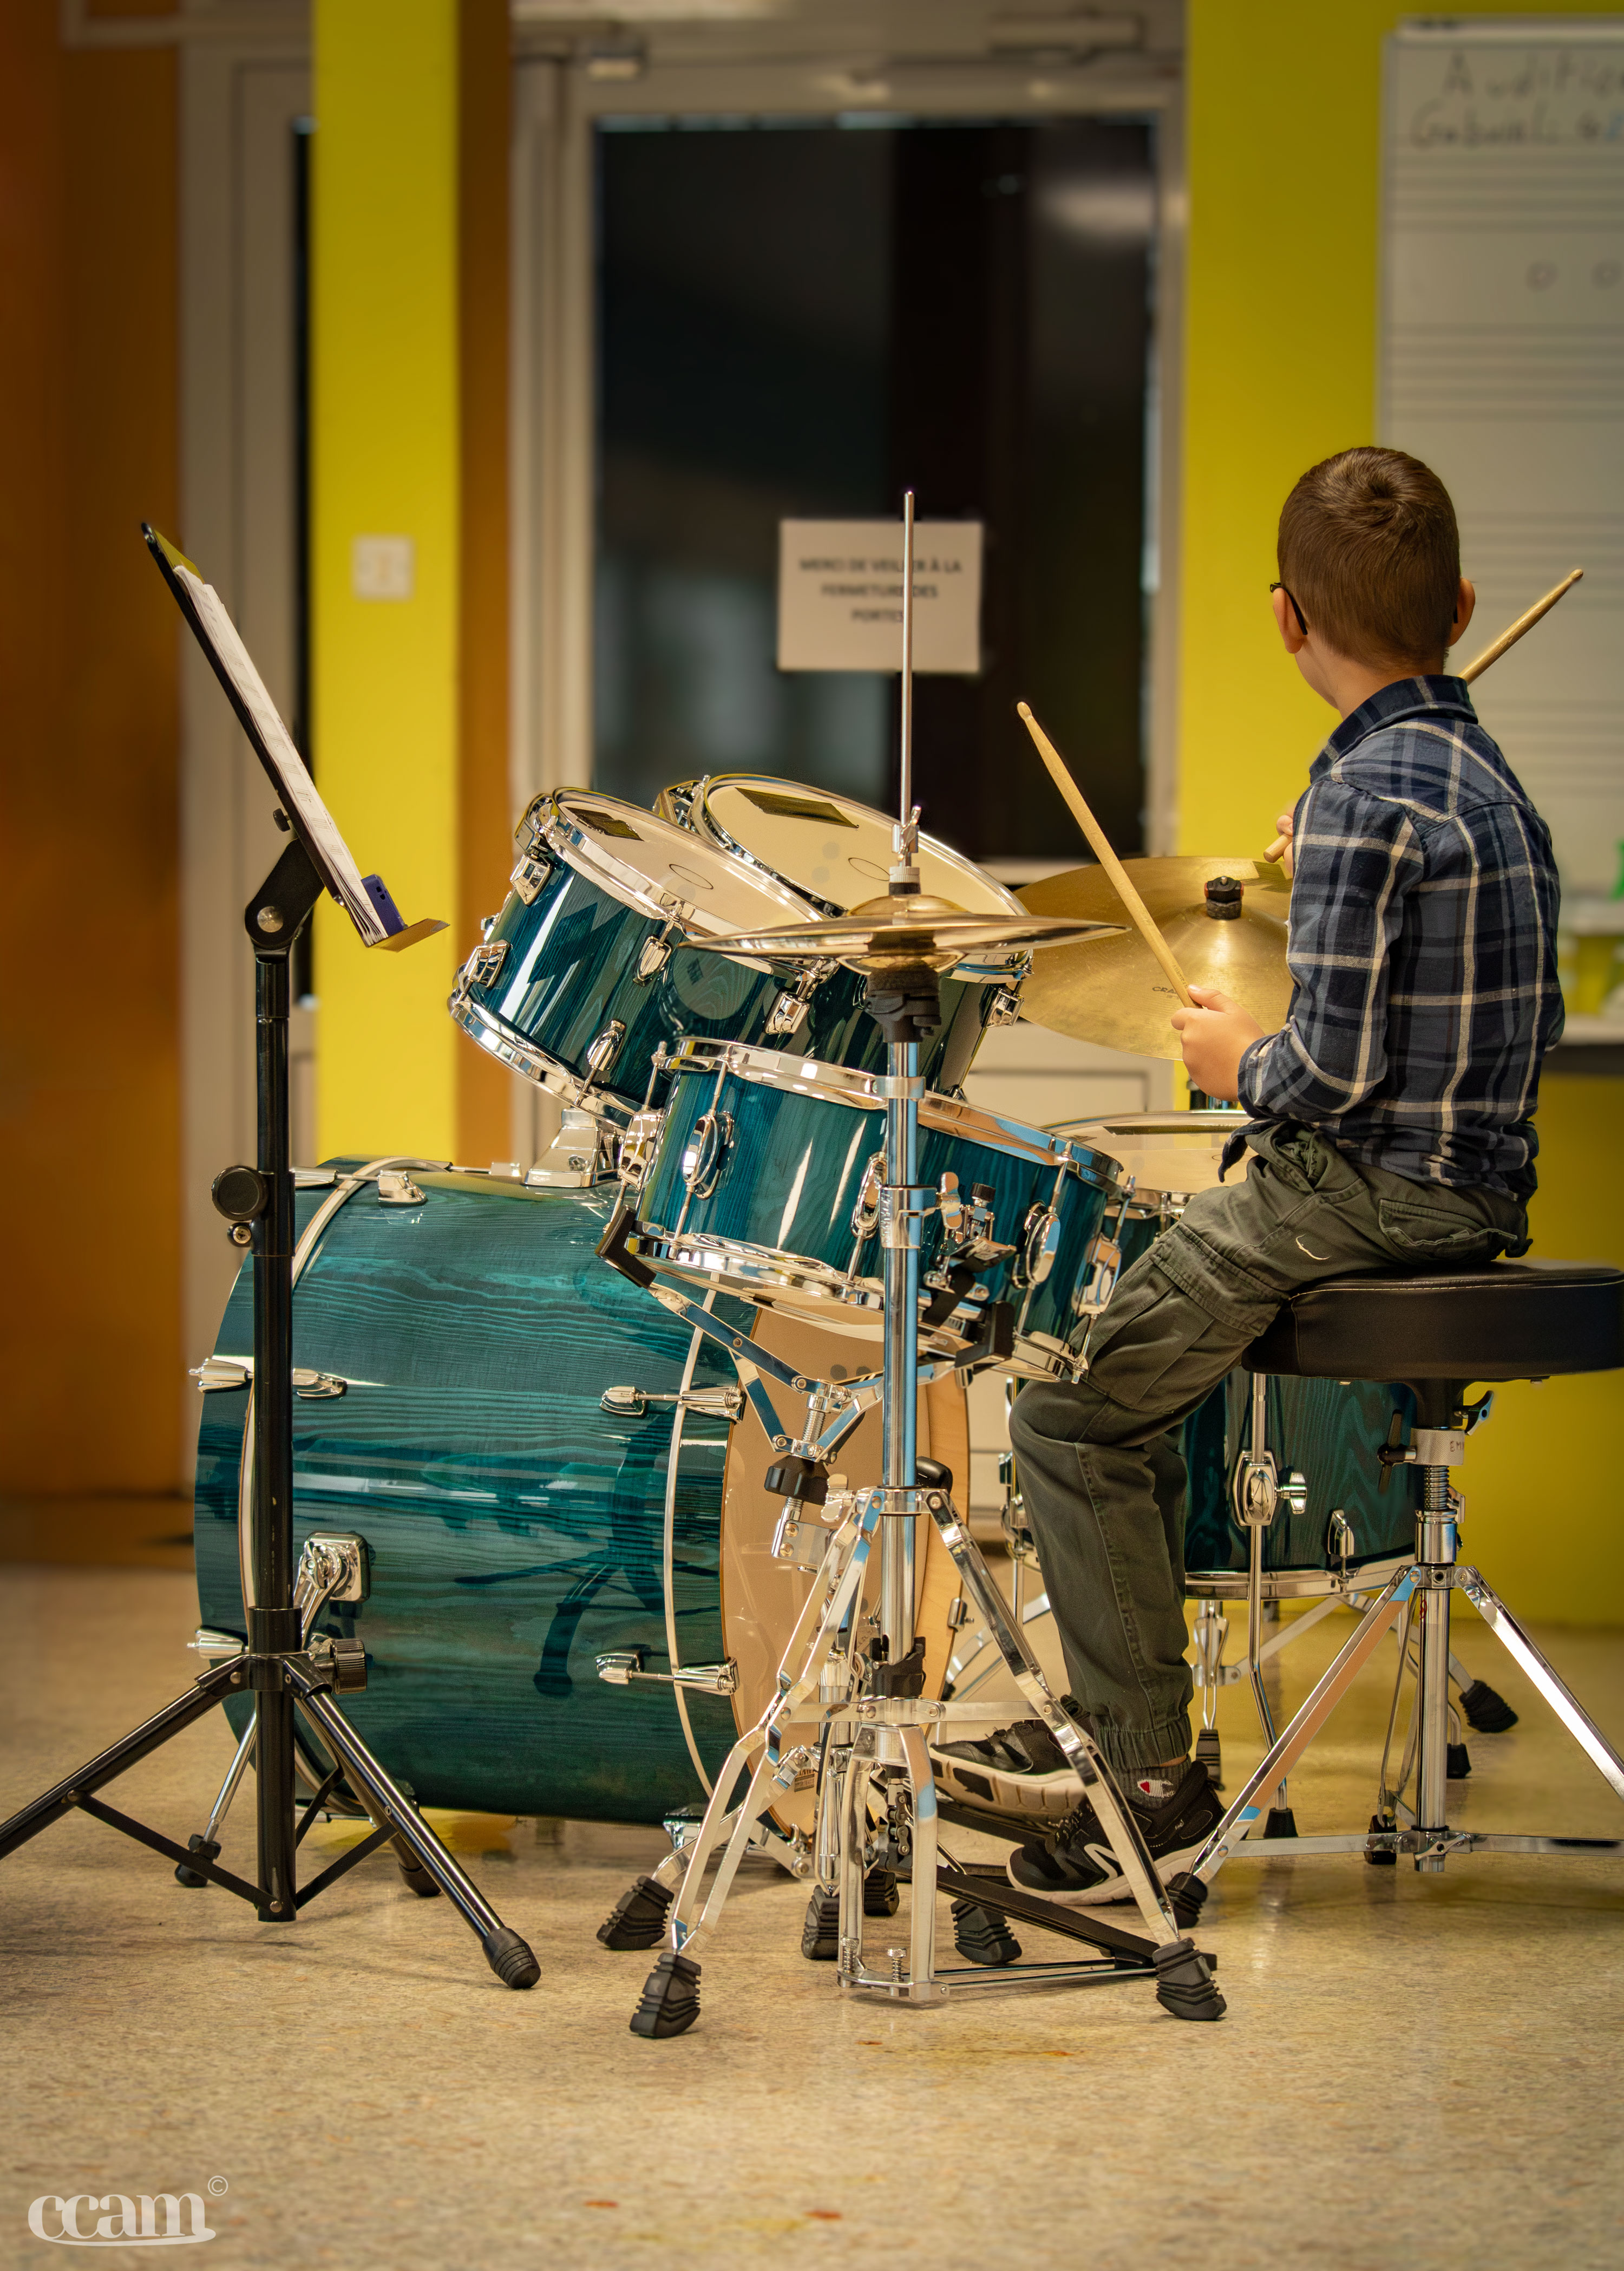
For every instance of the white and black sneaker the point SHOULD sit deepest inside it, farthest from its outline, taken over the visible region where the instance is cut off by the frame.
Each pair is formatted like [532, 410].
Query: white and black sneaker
[1020, 1769]
[1076, 1866]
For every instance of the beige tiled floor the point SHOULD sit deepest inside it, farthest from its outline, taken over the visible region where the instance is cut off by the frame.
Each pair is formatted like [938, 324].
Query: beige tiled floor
[1413, 2072]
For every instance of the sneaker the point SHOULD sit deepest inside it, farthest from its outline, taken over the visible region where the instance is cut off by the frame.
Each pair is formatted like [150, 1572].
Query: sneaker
[1076, 1863]
[1021, 1769]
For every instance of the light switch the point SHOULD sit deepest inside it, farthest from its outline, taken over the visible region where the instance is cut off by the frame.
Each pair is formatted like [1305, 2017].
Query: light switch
[383, 566]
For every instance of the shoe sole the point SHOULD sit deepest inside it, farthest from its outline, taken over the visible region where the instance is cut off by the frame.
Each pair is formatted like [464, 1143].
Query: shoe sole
[1109, 1889]
[1043, 1798]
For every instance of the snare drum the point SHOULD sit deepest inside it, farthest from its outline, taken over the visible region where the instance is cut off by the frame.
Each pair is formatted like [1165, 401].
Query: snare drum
[837, 853]
[517, 1526]
[764, 1180]
[595, 962]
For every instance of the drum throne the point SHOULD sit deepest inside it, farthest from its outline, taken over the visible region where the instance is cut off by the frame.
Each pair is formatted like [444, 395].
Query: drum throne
[1437, 1334]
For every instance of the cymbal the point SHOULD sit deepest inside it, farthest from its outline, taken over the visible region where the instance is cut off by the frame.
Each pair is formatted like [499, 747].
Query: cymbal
[1113, 992]
[918, 928]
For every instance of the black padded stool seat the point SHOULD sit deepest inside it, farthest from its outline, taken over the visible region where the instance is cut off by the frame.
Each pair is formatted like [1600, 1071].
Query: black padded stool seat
[1507, 1320]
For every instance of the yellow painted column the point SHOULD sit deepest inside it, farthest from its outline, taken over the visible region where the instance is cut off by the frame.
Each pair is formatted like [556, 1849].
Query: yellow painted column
[385, 450]
[1285, 122]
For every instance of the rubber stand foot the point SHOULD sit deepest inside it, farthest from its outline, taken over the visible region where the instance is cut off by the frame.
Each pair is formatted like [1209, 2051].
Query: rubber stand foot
[414, 1875]
[1279, 1822]
[671, 1998]
[209, 1849]
[1187, 1895]
[820, 1932]
[1380, 1860]
[510, 1959]
[1183, 1983]
[1485, 1710]
[879, 1892]
[638, 1917]
[983, 1936]
[1458, 1762]
[1210, 1754]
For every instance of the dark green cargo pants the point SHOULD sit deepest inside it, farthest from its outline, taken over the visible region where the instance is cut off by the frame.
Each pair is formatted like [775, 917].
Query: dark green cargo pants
[1102, 1479]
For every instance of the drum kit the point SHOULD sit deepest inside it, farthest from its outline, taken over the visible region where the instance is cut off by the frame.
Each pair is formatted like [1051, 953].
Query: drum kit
[634, 1474]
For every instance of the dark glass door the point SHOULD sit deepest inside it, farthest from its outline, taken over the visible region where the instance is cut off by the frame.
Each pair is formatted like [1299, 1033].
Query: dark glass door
[800, 321]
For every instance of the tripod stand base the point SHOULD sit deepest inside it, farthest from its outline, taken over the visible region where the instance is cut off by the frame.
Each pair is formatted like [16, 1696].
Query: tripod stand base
[671, 1998]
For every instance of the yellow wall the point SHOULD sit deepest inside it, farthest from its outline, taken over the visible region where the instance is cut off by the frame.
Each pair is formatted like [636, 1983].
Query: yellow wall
[1285, 142]
[385, 442]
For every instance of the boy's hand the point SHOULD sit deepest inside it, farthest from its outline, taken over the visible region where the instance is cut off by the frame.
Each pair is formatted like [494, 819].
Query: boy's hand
[1285, 824]
[1215, 1033]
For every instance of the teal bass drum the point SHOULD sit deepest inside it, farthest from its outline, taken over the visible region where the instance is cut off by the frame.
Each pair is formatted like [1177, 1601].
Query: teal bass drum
[516, 1529]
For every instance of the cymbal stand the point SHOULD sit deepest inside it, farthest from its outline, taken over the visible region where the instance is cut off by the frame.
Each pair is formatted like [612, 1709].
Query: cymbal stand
[868, 1714]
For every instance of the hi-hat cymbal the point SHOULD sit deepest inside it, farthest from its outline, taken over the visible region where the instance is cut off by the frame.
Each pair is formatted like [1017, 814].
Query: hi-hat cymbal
[914, 929]
[1114, 993]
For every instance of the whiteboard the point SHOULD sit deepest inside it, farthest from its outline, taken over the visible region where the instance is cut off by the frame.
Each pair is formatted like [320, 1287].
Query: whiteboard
[1503, 367]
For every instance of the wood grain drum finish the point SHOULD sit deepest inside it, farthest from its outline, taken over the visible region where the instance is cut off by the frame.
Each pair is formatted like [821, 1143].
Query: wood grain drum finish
[516, 1531]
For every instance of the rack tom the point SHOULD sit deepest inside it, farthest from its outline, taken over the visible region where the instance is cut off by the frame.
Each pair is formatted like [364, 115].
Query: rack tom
[836, 853]
[764, 1180]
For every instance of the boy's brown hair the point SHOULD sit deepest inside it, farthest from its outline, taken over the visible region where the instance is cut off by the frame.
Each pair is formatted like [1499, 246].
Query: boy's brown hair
[1370, 550]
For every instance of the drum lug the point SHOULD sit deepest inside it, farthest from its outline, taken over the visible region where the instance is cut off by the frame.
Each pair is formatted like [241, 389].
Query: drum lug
[621, 1667]
[788, 1013]
[530, 878]
[656, 951]
[1040, 1244]
[483, 965]
[602, 1052]
[704, 1151]
[1005, 1007]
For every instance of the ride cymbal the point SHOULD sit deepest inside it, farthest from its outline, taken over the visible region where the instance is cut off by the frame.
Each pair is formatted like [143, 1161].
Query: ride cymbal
[1114, 993]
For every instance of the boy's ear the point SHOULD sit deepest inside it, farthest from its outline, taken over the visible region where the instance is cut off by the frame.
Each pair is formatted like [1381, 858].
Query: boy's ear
[1465, 608]
[1286, 623]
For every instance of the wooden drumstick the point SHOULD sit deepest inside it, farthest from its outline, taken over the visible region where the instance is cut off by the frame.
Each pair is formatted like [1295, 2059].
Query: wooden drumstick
[1103, 853]
[1480, 663]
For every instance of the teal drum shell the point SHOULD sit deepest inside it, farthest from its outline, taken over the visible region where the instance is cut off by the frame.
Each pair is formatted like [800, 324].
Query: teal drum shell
[514, 1529]
[764, 1180]
[596, 967]
[1325, 1432]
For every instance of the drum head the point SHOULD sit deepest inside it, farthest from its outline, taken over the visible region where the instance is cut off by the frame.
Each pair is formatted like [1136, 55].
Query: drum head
[831, 848]
[1162, 1151]
[647, 863]
[762, 1597]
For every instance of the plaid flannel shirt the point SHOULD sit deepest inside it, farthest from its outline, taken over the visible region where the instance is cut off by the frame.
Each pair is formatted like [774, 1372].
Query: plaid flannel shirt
[1422, 947]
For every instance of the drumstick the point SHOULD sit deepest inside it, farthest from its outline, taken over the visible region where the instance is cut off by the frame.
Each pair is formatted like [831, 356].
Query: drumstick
[1103, 853]
[1491, 653]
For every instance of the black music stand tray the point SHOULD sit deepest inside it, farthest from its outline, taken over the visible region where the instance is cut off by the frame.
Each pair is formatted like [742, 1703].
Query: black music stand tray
[283, 1675]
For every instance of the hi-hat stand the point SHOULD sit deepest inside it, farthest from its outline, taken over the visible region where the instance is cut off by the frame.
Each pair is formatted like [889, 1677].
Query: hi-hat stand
[283, 1673]
[857, 1716]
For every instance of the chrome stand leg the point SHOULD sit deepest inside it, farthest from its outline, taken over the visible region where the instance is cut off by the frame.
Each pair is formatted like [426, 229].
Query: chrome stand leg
[921, 1987]
[234, 1775]
[1524, 1653]
[1435, 1576]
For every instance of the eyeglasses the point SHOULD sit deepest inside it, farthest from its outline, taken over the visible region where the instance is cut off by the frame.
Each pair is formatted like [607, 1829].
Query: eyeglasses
[1295, 609]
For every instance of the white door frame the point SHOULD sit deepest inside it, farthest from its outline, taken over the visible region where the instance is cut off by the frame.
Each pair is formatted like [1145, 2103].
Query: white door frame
[238, 102]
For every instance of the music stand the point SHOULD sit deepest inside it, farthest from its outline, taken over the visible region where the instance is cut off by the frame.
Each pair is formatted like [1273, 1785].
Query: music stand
[282, 1673]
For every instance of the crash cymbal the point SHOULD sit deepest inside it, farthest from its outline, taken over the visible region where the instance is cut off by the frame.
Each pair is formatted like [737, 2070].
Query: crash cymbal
[1113, 991]
[914, 929]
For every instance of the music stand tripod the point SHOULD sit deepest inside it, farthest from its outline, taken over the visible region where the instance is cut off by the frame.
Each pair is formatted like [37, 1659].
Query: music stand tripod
[284, 1676]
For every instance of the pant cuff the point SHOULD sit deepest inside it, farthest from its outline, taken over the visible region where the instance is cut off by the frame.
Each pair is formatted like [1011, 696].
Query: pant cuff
[1131, 1750]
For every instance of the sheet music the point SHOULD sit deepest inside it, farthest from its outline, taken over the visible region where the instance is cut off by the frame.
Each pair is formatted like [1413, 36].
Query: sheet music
[292, 774]
[1501, 353]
